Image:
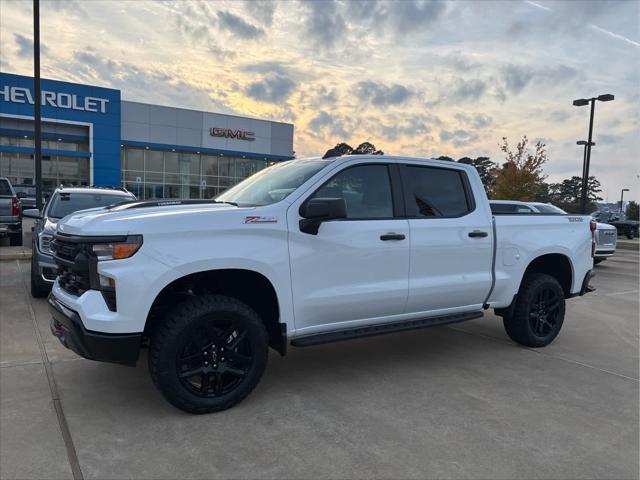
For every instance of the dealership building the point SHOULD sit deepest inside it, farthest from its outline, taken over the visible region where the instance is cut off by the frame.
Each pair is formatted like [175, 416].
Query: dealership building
[92, 137]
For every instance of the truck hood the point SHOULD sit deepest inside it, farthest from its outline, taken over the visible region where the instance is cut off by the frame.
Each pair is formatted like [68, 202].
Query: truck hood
[133, 221]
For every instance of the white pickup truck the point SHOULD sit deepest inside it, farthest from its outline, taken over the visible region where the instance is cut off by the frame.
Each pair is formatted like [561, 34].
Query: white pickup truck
[302, 253]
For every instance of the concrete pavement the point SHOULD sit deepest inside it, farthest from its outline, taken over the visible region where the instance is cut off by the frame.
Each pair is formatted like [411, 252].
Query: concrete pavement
[456, 402]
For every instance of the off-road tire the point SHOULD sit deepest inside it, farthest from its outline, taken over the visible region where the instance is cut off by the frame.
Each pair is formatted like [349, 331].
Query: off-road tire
[39, 289]
[519, 325]
[168, 339]
[15, 239]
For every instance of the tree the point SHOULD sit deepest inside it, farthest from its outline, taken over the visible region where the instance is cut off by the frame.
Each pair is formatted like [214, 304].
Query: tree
[486, 169]
[633, 211]
[367, 148]
[342, 148]
[520, 177]
[567, 194]
[444, 157]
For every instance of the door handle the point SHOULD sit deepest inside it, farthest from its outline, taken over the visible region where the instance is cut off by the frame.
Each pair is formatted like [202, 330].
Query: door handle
[392, 236]
[478, 234]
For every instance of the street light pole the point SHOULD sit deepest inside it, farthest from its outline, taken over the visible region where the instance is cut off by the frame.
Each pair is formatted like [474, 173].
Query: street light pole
[585, 171]
[37, 95]
[587, 161]
[622, 197]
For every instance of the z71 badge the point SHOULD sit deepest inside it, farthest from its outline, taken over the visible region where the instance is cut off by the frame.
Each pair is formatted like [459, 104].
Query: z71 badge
[259, 219]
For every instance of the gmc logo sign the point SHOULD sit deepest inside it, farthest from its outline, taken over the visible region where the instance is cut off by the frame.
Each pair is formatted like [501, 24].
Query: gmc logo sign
[229, 133]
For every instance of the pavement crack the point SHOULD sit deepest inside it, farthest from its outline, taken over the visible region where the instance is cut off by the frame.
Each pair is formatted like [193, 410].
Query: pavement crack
[57, 405]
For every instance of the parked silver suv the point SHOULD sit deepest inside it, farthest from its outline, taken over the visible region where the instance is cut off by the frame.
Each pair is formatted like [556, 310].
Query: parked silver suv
[64, 201]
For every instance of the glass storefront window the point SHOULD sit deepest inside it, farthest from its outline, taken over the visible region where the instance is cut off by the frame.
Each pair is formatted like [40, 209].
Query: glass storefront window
[154, 161]
[168, 174]
[209, 165]
[171, 163]
[134, 159]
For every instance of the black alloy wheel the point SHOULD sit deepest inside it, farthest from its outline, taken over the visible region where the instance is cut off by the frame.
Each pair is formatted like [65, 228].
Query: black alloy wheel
[208, 353]
[545, 311]
[215, 357]
[539, 311]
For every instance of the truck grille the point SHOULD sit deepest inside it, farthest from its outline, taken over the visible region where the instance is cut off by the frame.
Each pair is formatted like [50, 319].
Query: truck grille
[606, 237]
[72, 259]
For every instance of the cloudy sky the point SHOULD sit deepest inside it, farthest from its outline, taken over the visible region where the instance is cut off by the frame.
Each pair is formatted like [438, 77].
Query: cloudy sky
[420, 78]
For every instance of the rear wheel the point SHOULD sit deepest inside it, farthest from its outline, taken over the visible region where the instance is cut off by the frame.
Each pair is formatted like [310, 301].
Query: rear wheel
[15, 239]
[631, 233]
[208, 354]
[539, 311]
[596, 261]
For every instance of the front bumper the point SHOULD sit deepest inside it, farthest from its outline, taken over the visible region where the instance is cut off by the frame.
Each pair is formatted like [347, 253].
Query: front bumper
[66, 325]
[46, 266]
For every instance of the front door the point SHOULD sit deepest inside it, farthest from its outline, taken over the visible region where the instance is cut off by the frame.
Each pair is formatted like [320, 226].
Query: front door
[355, 270]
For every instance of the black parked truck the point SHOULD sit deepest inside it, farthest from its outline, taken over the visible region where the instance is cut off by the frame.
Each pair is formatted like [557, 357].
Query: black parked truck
[629, 228]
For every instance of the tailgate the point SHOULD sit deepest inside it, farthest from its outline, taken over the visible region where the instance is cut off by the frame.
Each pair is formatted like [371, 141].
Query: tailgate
[6, 198]
[6, 210]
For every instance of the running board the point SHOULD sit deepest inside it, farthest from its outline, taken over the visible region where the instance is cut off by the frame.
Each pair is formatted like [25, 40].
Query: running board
[381, 329]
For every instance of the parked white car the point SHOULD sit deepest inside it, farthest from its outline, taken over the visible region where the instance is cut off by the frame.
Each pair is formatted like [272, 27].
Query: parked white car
[302, 253]
[606, 235]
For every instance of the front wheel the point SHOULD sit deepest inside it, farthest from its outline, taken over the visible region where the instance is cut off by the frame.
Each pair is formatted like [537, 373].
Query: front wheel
[631, 234]
[208, 354]
[539, 311]
[15, 239]
[39, 288]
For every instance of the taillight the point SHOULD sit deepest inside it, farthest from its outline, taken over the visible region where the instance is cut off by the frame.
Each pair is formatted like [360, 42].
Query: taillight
[15, 207]
[592, 227]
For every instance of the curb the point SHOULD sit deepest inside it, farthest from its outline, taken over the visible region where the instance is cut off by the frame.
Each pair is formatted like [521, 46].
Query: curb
[15, 256]
[628, 246]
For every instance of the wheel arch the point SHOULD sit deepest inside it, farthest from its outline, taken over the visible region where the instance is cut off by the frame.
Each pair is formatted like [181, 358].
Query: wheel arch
[557, 265]
[249, 286]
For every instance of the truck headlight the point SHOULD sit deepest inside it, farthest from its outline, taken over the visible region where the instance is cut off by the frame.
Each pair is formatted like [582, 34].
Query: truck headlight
[44, 240]
[118, 250]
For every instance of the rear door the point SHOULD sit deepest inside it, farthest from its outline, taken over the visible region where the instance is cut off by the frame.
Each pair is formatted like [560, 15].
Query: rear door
[451, 241]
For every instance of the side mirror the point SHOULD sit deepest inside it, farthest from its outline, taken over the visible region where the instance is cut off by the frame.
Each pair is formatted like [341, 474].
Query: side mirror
[318, 210]
[32, 213]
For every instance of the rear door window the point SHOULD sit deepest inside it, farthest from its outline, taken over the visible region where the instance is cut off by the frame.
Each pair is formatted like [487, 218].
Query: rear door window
[436, 192]
[5, 189]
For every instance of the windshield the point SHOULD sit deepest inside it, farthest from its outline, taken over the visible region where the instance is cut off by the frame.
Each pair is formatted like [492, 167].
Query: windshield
[27, 190]
[62, 204]
[272, 184]
[544, 208]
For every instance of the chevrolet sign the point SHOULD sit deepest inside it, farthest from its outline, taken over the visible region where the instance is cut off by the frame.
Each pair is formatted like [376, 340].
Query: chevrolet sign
[229, 133]
[55, 99]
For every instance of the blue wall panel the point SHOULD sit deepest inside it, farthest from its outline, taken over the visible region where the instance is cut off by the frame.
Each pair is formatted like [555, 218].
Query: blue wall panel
[67, 101]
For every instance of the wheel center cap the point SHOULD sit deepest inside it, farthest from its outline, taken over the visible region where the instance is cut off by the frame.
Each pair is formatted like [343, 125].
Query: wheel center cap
[214, 356]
